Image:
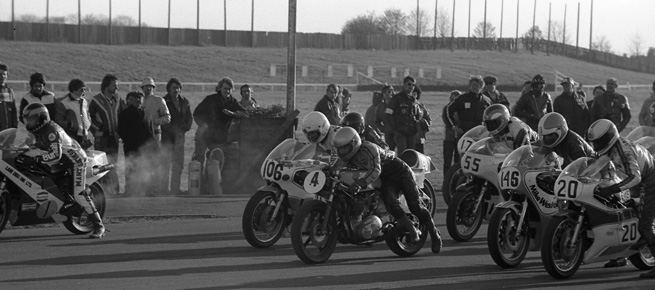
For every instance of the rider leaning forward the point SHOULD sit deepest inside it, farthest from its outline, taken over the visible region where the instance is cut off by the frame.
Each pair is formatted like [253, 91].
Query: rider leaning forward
[501, 125]
[396, 176]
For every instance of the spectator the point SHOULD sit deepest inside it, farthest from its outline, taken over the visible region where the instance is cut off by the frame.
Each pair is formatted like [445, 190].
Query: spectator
[527, 87]
[381, 116]
[172, 137]
[346, 96]
[103, 111]
[469, 108]
[72, 113]
[157, 114]
[450, 154]
[38, 94]
[247, 101]
[214, 116]
[598, 90]
[369, 116]
[424, 123]
[329, 105]
[535, 104]
[136, 135]
[645, 115]
[573, 108]
[612, 106]
[494, 95]
[8, 116]
[581, 92]
[403, 115]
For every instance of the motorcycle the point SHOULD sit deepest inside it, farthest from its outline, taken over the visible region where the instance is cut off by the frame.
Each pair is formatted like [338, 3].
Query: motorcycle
[644, 135]
[588, 228]
[30, 197]
[454, 177]
[271, 209]
[357, 218]
[528, 176]
[475, 200]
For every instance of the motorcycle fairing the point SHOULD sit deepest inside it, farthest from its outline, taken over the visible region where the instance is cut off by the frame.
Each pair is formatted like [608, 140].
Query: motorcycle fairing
[621, 234]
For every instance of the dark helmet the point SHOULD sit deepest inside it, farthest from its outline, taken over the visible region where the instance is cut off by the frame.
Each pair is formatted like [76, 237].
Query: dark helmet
[602, 135]
[347, 142]
[538, 80]
[496, 117]
[354, 120]
[36, 116]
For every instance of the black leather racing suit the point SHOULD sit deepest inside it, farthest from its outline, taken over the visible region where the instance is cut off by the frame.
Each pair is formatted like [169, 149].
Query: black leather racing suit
[573, 147]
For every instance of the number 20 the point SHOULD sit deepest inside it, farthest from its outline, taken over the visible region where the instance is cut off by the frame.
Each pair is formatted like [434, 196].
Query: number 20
[572, 188]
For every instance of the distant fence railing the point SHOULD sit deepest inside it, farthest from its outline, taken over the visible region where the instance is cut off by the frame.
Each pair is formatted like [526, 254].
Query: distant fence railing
[125, 35]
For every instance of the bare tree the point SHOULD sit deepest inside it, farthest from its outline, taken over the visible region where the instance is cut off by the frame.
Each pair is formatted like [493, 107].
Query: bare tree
[602, 44]
[444, 23]
[424, 23]
[362, 24]
[557, 33]
[30, 18]
[393, 21]
[479, 30]
[124, 20]
[636, 45]
[536, 31]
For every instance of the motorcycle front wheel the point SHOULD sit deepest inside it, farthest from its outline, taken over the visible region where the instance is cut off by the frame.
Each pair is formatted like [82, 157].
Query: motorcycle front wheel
[462, 221]
[561, 255]
[397, 241]
[82, 224]
[311, 244]
[260, 228]
[453, 178]
[507, 247]
[5, 209]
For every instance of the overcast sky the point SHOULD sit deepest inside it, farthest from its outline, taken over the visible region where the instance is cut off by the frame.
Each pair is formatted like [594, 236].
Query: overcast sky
[620, 21]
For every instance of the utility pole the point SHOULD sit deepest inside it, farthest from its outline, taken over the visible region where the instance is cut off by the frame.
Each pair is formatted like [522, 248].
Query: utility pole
[577, 32]
[291, 59]
[252, 24]
[500, 36]
[550, 7]
[452, 30]
[79, 21]
[168, 34]
[139, 21]
[225, 22]
[468, 36]
[109, 28]
[534, 17]
[516, 46]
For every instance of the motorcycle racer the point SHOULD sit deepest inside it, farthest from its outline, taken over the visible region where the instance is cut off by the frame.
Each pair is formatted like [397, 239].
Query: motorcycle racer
[503, 126]
[396, 176]
[51, 138]
[637, 164]
[318, 130]
[356, 121]
[555, 135]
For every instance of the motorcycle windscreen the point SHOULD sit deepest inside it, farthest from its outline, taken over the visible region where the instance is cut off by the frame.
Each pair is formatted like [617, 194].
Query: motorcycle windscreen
[589, 168]
[471, 136]
[15, 138]
[641, 131]
[289, 149]
[532, 157]
[490, 146]
[647, 142]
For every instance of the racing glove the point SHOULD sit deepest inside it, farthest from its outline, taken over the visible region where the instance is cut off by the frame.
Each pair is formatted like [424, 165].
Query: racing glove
[607, 192]
[357, 186]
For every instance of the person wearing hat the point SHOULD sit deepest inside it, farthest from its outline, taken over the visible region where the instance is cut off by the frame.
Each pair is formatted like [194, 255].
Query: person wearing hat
[612, 106]
[572, 107]
[467, 110]
[490, 91]
[38, 94]
[646, 116]
[534, 104]
[156, 114]
[8, 116]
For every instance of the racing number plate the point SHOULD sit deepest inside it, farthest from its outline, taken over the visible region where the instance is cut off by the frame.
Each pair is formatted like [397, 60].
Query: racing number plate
[509, 178]
[314, 181]
[568, 188]
[272, 170]
[464, 143]
[471, 164]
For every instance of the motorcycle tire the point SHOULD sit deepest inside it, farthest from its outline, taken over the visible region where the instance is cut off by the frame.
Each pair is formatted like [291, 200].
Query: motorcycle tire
[561, 263]
[397, 241]
[462, 223]
[312, 245]
[453, 178]
[5, 209]
[506, 247]
[82, 224]
[642, 261]
[429, 191]
[259, 229]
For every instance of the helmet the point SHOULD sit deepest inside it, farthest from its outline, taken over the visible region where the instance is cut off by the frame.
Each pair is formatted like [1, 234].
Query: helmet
[603, 135]
[347, 142]
[553, 129]
[495, 118]
[354, 120]
[36, 116]
[315, 126]
[538, 79]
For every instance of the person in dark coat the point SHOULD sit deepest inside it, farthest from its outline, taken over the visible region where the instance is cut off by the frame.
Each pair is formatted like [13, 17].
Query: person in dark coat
[136, 136]
[573, 107]
[533, 105]
[329, 105]
[172, 138]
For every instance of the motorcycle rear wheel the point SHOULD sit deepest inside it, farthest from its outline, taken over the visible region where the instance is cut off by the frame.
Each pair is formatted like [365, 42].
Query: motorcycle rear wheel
[259, 229]
[560, 261]
[429, 191]
[5, 209]
[462, 223]
[82, 224]
[506, 247]
[644, 260]
[397, 241]
[453, 178]
[311, 244]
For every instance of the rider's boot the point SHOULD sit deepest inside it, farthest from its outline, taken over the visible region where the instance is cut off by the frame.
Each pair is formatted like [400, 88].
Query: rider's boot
[435, 236]
[650, 274]
[404, 222]
[98, 226]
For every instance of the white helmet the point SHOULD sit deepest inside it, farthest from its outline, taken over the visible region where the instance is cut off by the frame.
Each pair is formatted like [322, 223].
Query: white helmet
[315, 126]
[347, 142]
[602, 135]
[553, 129]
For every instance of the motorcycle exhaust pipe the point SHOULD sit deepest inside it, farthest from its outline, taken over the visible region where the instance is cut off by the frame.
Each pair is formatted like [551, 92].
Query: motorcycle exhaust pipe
[102, 168]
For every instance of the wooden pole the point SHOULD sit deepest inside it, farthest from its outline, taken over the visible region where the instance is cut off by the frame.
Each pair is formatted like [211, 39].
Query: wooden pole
[79, 21]
[564, 32]
[169, 23]
[198, 23]
[534, 17]
[591, 23]
[140, 22]
[109, 25]
[252, 24]
[47, 21]
[436, 12]
[550, 7]
[291, 58]
[577, 33]
[502, 13]
[468, 36]
[13, 20]
[516, 47]
[484, 25]
[225, 22]
[452, 30]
